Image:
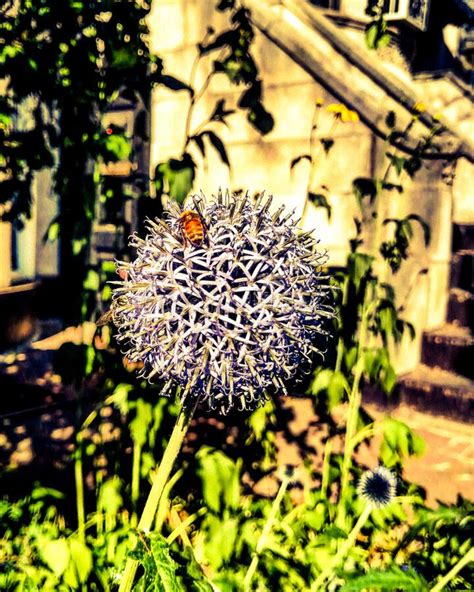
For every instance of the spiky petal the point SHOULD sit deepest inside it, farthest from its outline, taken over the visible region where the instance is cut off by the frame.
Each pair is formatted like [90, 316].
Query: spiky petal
[228, 320]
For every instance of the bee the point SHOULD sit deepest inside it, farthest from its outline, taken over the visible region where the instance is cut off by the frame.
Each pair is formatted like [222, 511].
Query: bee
[105, 318]
[192, 227]
[108, 315]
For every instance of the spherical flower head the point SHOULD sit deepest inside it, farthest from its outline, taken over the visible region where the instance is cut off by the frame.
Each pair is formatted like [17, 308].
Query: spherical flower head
[377, 487]
[227, 304]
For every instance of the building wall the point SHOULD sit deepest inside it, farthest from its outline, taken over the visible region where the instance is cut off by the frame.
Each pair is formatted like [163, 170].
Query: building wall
[260, 163]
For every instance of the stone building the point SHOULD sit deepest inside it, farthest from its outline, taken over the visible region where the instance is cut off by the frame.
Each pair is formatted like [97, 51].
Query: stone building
[305, 53]
[312, 50]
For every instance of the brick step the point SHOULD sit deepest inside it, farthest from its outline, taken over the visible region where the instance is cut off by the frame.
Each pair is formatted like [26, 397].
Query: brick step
[463, 237]
[437, 391]
[462, 270]
[461, 307]
[450, 347]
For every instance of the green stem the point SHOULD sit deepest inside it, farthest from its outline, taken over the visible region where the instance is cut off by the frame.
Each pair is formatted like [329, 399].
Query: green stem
[355, 399]
[135, 493]
[439, 587]
[159, 483]
[340, 342]
[261, 543]
[344, 548]
[326, 468]
[78, 477]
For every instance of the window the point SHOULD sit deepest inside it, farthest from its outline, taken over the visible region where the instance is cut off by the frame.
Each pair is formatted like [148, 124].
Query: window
[414, 12]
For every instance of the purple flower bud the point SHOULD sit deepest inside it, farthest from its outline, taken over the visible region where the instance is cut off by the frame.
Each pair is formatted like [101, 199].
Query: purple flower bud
[377, 487]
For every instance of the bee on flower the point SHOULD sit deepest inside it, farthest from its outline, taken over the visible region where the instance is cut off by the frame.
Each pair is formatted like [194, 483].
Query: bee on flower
[224, 300]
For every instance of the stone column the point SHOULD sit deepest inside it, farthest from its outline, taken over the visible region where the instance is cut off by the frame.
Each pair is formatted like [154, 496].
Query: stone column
[5, 254]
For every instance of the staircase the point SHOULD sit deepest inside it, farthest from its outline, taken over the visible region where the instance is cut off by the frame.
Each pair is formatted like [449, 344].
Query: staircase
[444, 381]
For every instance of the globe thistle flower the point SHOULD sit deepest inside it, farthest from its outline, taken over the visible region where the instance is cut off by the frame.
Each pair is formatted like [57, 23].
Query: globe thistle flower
[377, 487]
[225, 303]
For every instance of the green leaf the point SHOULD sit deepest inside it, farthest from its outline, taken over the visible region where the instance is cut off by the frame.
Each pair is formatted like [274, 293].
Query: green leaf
[337, 387]
[115, 147]
[359, 267]
[174, 84]
[218, 145]
[220, 112]
[397, 161]
[166, 567]
[179, 176]
[81, 557]
[371, 35]
[140, 424]
[393, 579]
[392, 187]
[92, 281]
[327, 144]
[120, 397]
[220, 478]
[424, 225]
[364, 186]
[198, 140]
[53, 231]
[390, 119]
[298, 159]
[56, 555]
[319, 200]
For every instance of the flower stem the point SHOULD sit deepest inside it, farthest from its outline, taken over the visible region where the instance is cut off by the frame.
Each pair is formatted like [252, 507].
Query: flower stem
[454, 571]
[78, 477]
[135, 493]
[159, 483]
[353, 413]
[344, 548]
[265, 532]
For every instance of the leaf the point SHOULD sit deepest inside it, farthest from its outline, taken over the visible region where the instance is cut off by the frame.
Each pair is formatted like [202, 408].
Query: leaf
[225, 5]
[393, 579]
[392, 187]
[140, 424]
[218, 145]
[261, 119]
[397, 161]
[220, 478]
[390, 119]
[298, 159]
[424, 225]
[337, 387]
[81, 557]
[56, 555]
[412, 165]
[179, 176]
[53, 231]
[220, 112]
[371, 35]
[115, 147]
[174, 84]
[359, 267]
[92, 281]
[327, 144]
[165, 565]
[319, 200]
[364, 186]
[198, 140]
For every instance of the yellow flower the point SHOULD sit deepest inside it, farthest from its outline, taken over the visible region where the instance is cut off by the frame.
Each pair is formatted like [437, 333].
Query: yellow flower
[341, 112]
[419, 106]
[319, 102]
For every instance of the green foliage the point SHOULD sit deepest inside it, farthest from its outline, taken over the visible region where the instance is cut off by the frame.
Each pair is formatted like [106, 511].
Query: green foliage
[210, 518]
[393, 579]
